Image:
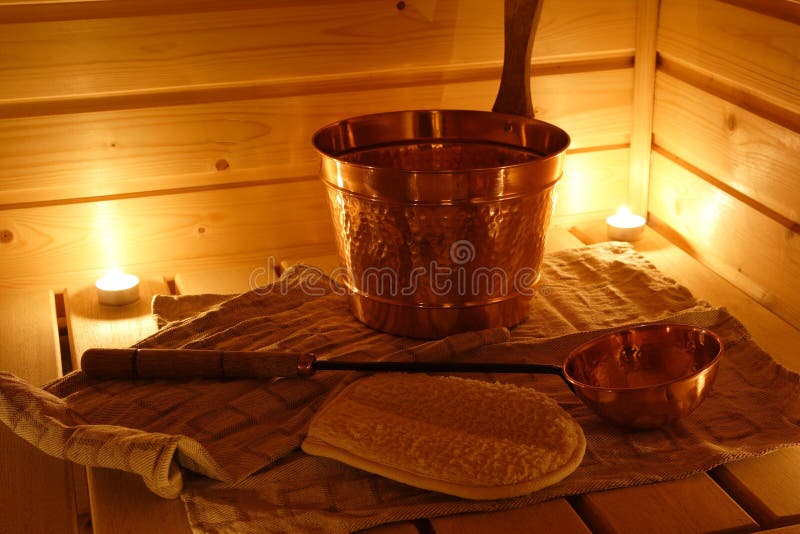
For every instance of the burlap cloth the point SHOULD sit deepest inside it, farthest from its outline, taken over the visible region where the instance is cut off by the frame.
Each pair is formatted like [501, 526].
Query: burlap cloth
[230, 449]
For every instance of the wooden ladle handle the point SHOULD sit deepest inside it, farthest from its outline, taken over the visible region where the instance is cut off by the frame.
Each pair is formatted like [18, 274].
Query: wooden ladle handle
[521, 20]
[128, 363]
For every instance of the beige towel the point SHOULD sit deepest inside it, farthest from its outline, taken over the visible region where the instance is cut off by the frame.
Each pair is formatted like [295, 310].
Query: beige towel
[242, 436]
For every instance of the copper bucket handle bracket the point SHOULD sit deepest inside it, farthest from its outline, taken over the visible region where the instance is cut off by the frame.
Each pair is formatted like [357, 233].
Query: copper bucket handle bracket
[514, 94]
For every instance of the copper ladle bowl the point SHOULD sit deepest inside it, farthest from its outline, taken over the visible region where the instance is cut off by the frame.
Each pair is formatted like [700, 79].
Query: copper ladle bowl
[645, 376]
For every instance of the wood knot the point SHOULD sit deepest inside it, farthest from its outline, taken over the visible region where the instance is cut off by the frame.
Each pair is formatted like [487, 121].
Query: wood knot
[730, 122]
[201, 230]
[222, 164]
[400, 5]
[6, 236]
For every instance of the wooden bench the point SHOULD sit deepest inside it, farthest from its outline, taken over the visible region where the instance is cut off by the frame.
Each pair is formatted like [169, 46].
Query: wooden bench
[41, 494]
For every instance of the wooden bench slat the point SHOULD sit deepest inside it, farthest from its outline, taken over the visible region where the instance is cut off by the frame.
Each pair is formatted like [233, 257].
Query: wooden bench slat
[405, 527]
[120, 498]
[94, 325]
[91, 324]
[228, 281]
[694, 504]
[768, 487]
[37, 493]
[791, 529]
[554, 516]
[326, 262]
[29, 343]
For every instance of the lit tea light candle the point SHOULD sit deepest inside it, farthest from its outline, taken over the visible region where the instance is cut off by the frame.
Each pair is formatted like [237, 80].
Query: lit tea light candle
[624, 225]
[117, 288]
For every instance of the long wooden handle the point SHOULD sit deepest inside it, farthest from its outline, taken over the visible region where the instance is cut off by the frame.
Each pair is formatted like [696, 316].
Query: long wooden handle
[521, 20]
[181, 363]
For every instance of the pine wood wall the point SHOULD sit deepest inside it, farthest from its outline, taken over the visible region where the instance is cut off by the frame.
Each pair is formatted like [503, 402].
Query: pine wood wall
[177, 133]
[725, 176]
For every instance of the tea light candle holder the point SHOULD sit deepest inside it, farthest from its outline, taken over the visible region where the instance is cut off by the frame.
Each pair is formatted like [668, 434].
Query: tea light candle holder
[117, 288]
[624, 225]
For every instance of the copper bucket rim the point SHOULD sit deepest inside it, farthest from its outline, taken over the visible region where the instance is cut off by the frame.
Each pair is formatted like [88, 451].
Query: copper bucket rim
[332, 153]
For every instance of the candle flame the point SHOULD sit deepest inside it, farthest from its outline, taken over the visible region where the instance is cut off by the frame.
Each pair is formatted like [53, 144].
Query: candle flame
[624, 211]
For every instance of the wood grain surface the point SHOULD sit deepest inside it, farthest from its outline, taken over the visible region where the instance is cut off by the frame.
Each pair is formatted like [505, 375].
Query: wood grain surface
[235, 222]
[748, 248]
[694, 504]
[644, 73]
[141, 54]
[752, 155]
[734, 44]
[37, 493]
[92, 156]
[765, 487]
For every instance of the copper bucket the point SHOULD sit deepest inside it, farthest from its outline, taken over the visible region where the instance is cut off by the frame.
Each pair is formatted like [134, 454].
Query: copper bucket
[440, 215]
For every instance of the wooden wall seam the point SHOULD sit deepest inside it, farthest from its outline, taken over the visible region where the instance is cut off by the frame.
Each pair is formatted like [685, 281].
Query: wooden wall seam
[743, 245]
[788, 10]
[300, 86]
[226, 185]
[788, 223]
[738, 52]
[159, 192]
[56, 10]
[118, 152]
[740, 96]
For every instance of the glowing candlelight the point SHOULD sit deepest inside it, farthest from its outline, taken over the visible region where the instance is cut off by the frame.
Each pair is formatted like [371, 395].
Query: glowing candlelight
[624, 225]
[117, 288]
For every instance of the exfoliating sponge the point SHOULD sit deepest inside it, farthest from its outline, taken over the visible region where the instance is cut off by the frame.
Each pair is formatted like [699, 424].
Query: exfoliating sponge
[463, 437]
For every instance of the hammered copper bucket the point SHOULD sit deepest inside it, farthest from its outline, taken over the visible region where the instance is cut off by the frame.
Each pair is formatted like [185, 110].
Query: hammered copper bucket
[440, 216]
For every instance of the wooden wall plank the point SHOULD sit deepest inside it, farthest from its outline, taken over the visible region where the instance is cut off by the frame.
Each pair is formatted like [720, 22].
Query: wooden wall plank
[197, 226]
[44, 10]
[592, 182]
[750, 154]
[211, 225]
[128, 55]
[771, 332]
[755, 253]
[744, 48]
[783, 9]
[48, 159]
[644, 72]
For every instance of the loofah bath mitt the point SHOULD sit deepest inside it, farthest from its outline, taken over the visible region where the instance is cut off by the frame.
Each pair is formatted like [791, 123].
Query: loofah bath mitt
[468, 438]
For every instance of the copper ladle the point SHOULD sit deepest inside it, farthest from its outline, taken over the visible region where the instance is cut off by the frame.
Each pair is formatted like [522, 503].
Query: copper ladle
[643, 376]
